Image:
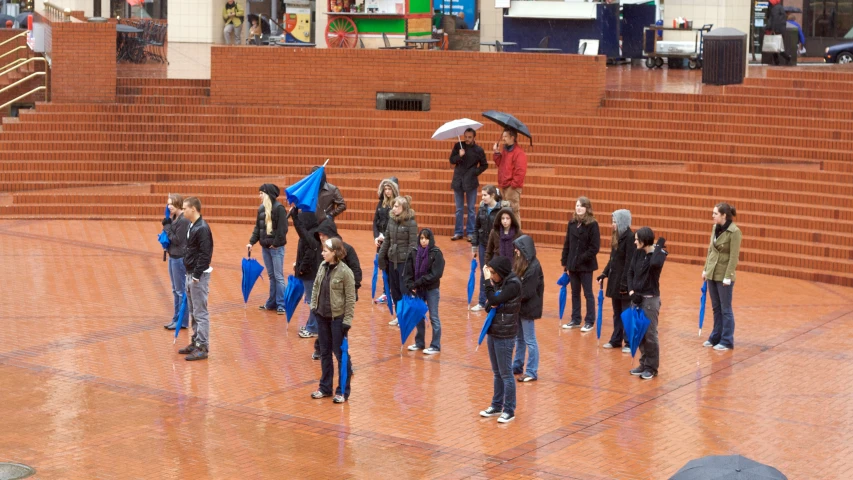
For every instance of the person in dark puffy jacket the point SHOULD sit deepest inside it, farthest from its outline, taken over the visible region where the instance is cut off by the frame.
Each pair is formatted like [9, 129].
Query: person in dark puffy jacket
[271, 232]
[616, 272]
[308, 258]
[490, 205]
[527, 268]
[388, 190]
[583, 241]
[503, 292]
[176, 227]
[401, 237]
[422, 277]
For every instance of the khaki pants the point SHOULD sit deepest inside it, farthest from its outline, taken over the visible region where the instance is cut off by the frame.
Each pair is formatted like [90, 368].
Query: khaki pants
[232, 32]
[513, 196]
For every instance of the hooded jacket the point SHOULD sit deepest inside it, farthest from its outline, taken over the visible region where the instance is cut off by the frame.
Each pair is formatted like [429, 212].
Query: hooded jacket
[432, 278]
[330, 202]
[532, 280]
[583, 241]
[177, 233]
[380, 218]
[199, 248]
[308, 250]
[237, 10]
[468, 167]
[329, 229]
[644, 271]
[401, 236]
[484, 223]
[493, 246]
[279, 221]
[616, 270]
[506, 297]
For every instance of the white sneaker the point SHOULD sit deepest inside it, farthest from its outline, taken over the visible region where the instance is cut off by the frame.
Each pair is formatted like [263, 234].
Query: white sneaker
[477, 308]
[607, 345]
[412, 348]
[626, 349]
[431, 351]
[506, 418]
[587, 327]
[393, 322]
[707, 344]
[720, 347]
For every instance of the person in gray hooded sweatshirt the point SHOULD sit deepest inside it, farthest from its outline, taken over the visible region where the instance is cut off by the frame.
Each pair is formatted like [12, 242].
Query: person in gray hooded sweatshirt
[621, 251]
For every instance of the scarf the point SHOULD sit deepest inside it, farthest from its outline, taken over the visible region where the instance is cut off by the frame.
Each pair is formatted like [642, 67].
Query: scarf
[721, 228]
[506, 242]
[421, 262]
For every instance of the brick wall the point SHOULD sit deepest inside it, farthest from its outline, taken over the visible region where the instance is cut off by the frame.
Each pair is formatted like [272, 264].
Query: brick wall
[83, 60]
[514, 82]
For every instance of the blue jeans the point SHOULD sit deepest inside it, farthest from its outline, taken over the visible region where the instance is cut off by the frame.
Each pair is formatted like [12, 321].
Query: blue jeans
[274, 263]
[526, 340]
[724, 317]
[311, 324]
[500, 354]
[481, 257]
[178, 274]
[472, 205]
[432, 297]
[331, 337]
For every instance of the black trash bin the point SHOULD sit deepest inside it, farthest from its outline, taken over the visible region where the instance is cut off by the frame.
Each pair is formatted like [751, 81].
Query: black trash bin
[724, 57]
[791, 39]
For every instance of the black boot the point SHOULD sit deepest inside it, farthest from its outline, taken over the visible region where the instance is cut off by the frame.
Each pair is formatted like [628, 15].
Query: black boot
[200, 353]
[188, 349]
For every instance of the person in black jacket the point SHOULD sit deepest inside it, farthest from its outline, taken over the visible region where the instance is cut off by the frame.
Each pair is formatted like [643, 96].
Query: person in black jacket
[583, 241]
[197, 262]
[503, 292]
[621, 252]
[527, 268]
[330, 202]
[470, 161]
[486, 214]
[271, 231]
[778, 25]
[388, 191]
[176, 227]
[644, 287]
[422, 276]
[308, 259]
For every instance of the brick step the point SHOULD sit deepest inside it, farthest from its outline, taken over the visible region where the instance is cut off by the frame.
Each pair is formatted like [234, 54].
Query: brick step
[731, 97]
[163, 91]
[781, 84]
[780, 94]
[162, 100]
[161, 82]
[704, 118]
[25, 186]
[820, 74]
[662, 106]
[60, 179]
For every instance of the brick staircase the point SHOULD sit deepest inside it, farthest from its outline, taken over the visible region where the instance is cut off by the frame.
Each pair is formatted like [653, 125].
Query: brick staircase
[667, 157]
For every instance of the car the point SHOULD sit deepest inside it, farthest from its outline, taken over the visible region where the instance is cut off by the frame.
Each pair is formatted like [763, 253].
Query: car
[841, 53]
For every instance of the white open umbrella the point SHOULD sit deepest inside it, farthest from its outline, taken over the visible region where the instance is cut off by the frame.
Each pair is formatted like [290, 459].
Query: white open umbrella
[455, 128]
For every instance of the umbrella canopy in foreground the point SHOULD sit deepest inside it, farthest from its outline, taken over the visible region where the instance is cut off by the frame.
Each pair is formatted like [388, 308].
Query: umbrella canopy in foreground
[727, 467]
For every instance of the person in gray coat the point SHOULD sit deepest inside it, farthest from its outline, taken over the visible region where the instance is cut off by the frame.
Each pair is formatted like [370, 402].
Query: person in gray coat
[616, 272]
[401, 237]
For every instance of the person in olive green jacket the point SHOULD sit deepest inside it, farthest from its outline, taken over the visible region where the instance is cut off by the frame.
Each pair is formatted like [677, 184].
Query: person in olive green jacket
[233, 16]
[719, 272]
[333, 304]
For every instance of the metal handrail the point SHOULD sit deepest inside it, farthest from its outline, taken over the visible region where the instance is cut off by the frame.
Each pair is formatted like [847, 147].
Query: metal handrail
[21, 97]
[13, 65]
[21, 64]
[20, 47]
[22, 80]
[22, 34]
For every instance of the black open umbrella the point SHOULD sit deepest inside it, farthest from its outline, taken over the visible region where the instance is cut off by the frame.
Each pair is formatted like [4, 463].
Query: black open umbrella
[506, 120]
[793, 10]
[727, 467]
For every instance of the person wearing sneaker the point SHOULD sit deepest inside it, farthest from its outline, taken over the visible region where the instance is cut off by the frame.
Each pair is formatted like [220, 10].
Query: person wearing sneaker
[401, 237]
[307, 262]
[719, 272]
[616, 272]
[580, 248]
[504, 231]
[528, 269]
[271, 231]
[469, 161]
[503, 292]
[333, 303]
[388, 191]
[490, 205]
[197, 262]
[644, 287]
[422, 276]
[176, 227]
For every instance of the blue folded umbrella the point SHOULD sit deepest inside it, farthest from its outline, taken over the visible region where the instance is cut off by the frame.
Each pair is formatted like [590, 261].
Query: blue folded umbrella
[182, 311]
[600, 313]
[635, 323]
[304, 193]
[343, 365]
[486, 325]
[163, 238]
[410, 311]
[388, 299]
[702, 306]
[375, 277]
[472, 279]
[562, 282]
[251, 271]
[292, 295]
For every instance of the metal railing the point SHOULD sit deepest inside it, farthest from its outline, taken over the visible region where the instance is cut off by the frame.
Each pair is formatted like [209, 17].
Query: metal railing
[20, 35]
[56, 12]
[18, 64]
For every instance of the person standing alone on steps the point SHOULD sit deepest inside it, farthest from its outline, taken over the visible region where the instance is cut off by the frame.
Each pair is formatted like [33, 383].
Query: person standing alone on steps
[470, 161]
[512, 168]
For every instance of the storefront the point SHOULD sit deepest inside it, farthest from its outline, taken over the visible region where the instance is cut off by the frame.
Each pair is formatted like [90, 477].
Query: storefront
[825, 23]
[357, 23]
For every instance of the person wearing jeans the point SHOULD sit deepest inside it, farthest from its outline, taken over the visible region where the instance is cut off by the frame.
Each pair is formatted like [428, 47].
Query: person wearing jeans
[582, 243]
[307, 258]
[489, 208]
[528, 269]
[271, 231]
[719, 272]
[422, 274]
[274, 263]
[401, 237]
[197, 263]
[644, 288]
[512, 169]
[176, 227]
[232, 14]
[469, 162]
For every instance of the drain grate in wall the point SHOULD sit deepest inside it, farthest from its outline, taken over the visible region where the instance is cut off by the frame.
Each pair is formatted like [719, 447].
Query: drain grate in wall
[15, 471]
[410, 102]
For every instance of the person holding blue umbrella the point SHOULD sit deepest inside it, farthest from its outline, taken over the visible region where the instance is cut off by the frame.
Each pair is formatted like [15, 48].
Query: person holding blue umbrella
[422, 276]
[308, 259]
[616, 272]
[582, 243]
[388, 191]
[644, 287]
[503, 293]
[528, 269]
[333, 303]
[271, 231]
[401, 237]
[176, 226]
[719, 272]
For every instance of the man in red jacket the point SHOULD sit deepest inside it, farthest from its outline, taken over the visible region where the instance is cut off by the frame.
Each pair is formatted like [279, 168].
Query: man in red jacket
[512, 167]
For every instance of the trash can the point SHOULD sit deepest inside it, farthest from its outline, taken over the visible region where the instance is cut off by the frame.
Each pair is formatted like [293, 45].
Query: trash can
[724, 57]
[790, 40]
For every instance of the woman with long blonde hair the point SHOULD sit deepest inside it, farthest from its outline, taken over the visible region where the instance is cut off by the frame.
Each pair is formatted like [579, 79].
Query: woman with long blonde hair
[271, 232]
[176, 227]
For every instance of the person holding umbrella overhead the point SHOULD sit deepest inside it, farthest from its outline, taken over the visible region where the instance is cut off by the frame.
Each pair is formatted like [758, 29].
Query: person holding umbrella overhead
[422, 276]
[333, 303]
[388, 191]
[527, 268]
[512, 168]
[469, 162]
[503, 292]
[176, 226]
[621, 253]
[719, 272]
[271, 231]
[582, 243]
[197, 262]
[401, 237]
[644, 287]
